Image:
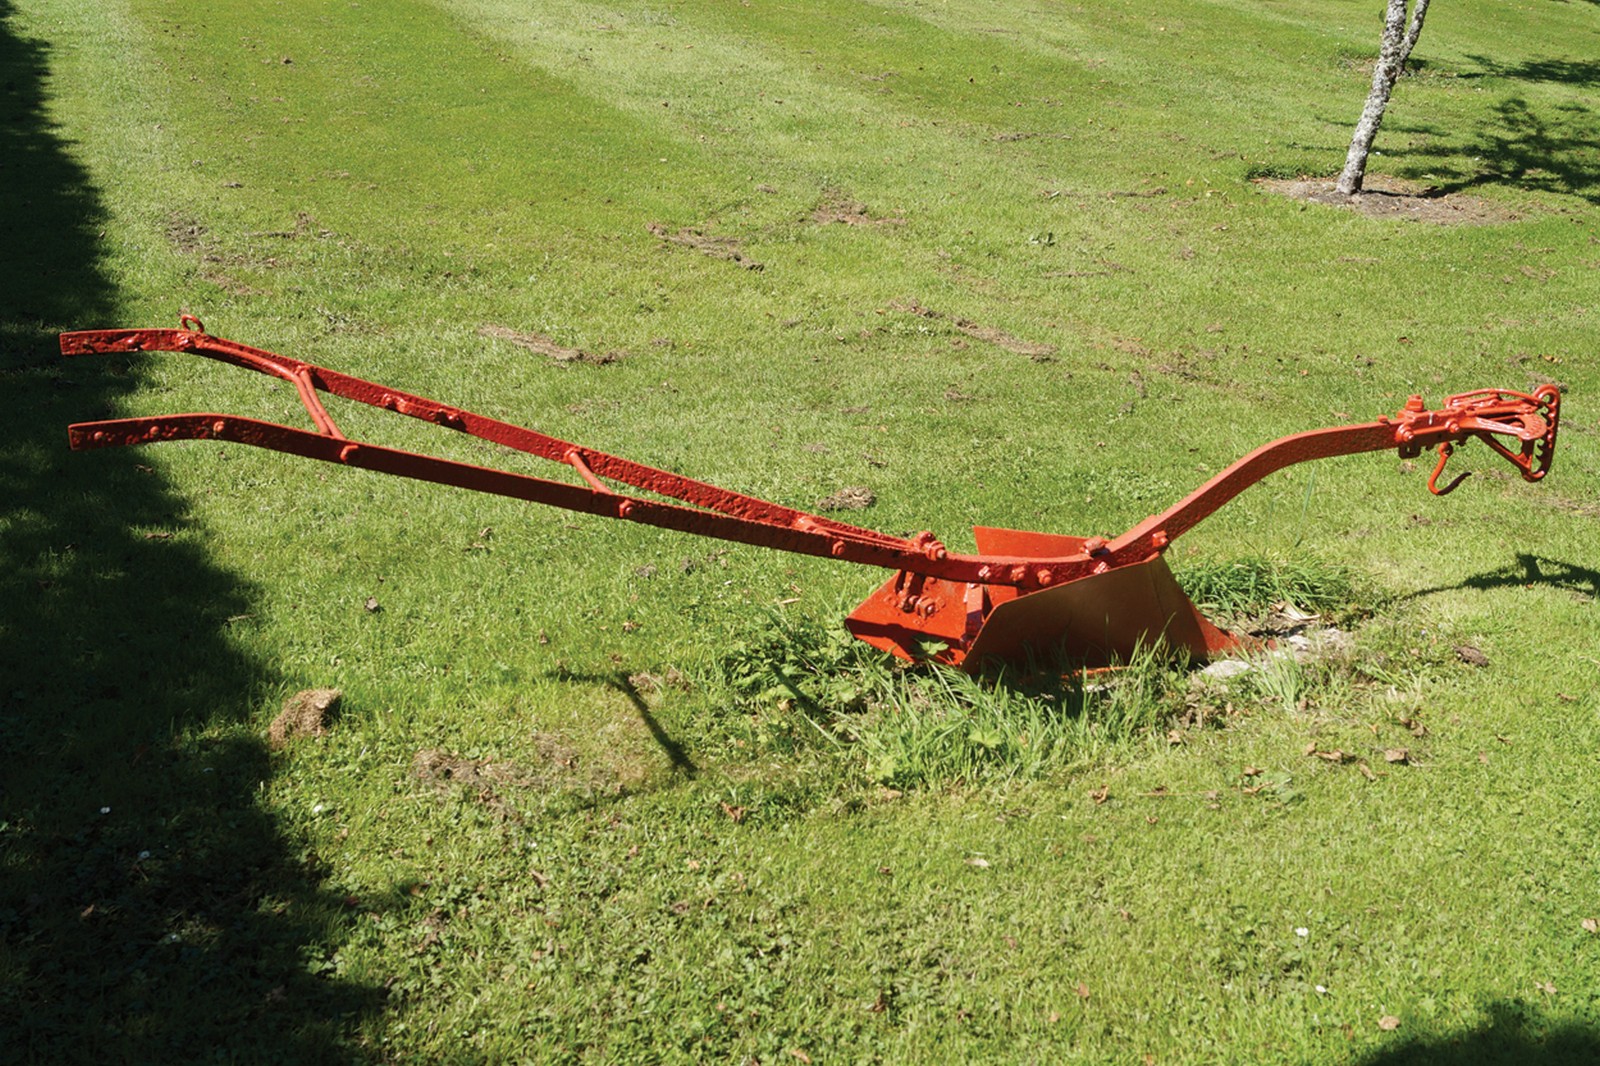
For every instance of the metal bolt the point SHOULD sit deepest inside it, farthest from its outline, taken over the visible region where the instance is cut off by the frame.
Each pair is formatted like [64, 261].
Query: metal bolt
[1045, 576]
[1094, 545]
[624, 509]
[218, 426]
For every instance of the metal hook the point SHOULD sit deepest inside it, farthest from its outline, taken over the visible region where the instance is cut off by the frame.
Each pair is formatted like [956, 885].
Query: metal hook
[1445, 451]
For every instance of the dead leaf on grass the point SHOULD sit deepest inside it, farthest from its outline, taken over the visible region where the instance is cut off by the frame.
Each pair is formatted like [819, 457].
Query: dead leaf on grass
[1471, 655]
[1591, 925]
[1388, 1023]
[1100, 795]
[1397, 755]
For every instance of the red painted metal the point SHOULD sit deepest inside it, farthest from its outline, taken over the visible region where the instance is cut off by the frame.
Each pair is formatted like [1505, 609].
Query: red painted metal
[1091, 599]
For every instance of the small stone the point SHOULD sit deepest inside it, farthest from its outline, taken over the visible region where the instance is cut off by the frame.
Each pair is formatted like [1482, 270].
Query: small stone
[1223, 669]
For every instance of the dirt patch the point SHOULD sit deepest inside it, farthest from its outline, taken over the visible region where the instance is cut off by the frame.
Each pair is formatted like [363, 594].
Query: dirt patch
[1396, 198]
[716, 247]
[558, 768]
[187, 236]
[849, 498]
[545, 346]
[836, 208]
[305, 714]
[1038, 352]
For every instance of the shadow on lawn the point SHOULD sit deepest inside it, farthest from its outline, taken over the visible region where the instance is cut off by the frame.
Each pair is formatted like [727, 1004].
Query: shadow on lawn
[1527, 571]
[1514, 1036]
[149, 910]
[1550, 148]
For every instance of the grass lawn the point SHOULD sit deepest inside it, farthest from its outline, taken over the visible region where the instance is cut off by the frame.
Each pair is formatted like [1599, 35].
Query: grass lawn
[598, 792]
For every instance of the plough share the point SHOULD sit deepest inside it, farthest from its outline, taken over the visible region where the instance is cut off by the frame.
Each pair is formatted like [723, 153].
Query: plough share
[1088, 600]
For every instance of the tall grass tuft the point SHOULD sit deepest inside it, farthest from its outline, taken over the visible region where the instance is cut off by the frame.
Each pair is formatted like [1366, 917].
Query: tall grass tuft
[1251, 585]
[942, 726]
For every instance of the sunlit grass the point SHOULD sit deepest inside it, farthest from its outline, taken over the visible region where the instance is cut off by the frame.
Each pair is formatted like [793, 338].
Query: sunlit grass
[690, 818]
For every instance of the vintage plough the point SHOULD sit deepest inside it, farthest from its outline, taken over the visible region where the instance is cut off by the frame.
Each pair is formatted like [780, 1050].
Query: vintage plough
[1089, 600]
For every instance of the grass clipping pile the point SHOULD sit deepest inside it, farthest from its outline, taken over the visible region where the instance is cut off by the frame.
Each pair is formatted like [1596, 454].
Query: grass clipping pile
[305, 714]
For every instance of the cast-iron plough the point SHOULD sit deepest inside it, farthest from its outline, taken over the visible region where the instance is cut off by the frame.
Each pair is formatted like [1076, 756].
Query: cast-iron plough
[1091, 600]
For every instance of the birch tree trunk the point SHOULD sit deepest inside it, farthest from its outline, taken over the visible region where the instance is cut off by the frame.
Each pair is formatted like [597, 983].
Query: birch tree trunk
[1398, 40]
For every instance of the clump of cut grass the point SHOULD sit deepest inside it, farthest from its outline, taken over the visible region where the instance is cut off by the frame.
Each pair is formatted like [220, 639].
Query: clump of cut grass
[798, 681]
[1253, 584]
[789, 671]
[942, 726]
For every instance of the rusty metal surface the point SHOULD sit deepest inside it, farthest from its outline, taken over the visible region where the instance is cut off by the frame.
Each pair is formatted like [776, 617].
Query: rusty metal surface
[1020, 593]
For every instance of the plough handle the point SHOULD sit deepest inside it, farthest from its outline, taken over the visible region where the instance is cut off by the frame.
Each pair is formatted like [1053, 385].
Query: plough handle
[1492, 415]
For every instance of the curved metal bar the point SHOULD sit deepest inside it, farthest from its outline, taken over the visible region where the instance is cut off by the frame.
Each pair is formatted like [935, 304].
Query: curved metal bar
[1486, 414]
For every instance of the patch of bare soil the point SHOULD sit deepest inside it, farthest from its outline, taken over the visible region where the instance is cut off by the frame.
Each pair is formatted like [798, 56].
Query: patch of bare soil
[1037, 351]
[187, 236]
[559, 767]
[305, 714]
[1396, 198]
[849, 498]
[545, 346]
[835, 208]
[716, 247]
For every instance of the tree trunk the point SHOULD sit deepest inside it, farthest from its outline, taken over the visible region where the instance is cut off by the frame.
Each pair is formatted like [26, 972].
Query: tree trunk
[1398, 40]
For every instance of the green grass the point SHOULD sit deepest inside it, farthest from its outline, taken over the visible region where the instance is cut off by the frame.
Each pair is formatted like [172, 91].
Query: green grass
[693, 820]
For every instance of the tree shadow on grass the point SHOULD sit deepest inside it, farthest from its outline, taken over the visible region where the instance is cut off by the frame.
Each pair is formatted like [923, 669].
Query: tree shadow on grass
[1527, 571]
[1515, 1035]
[150, 910]
[1553, 151]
